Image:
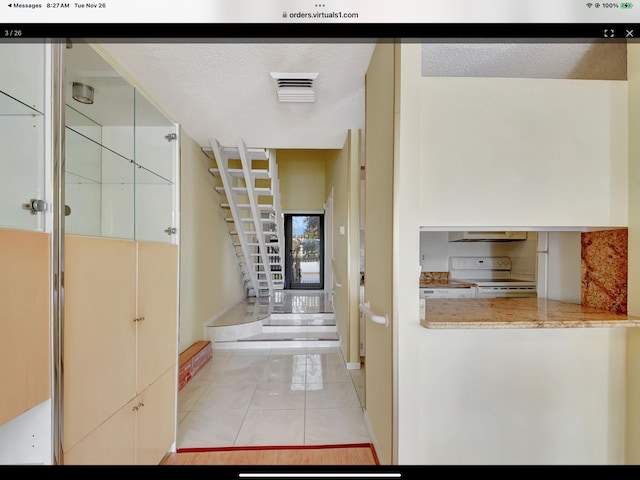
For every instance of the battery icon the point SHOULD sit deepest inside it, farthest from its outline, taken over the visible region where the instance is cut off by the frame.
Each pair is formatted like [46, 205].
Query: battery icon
[626, 5]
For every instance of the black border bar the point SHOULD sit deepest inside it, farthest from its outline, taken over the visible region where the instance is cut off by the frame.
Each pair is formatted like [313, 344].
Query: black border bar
[339, 32]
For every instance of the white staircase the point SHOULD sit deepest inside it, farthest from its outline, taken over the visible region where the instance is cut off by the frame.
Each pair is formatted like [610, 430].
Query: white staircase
[252, 196]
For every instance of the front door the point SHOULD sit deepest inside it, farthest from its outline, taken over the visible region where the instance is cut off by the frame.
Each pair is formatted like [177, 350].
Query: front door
[304, 246]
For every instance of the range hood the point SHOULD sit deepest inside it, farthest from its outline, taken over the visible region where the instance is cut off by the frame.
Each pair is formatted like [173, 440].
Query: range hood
[493, 236]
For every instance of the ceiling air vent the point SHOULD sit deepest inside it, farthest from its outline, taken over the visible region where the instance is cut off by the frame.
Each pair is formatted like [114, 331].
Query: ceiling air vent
[295, 87]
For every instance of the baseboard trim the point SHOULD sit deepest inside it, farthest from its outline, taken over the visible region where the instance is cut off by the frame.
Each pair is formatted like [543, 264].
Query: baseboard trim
[375, 448]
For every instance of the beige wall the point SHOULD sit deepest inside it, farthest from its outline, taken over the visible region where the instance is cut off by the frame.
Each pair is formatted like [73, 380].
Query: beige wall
[353, 228]
[378, 219]
[301, 174]
[337, 179]
[633, 286]
[343, 178]
[210, 279]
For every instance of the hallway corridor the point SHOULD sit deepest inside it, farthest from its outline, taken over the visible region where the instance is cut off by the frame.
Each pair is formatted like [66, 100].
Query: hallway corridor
[303, 395]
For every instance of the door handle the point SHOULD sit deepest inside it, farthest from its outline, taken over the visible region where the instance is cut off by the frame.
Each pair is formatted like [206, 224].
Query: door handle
[35, 205]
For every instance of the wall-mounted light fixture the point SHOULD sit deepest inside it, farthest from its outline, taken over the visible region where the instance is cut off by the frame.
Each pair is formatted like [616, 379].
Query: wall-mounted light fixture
[82, 93]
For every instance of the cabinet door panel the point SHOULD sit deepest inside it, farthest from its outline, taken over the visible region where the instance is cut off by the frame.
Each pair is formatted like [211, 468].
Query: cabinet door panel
[112, 443]
[25, 321]
[99, 332]
[157, 304]
[157, 419]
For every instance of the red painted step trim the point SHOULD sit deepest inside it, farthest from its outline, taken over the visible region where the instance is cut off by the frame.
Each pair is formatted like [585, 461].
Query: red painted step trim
[283, 447]
[273, 447]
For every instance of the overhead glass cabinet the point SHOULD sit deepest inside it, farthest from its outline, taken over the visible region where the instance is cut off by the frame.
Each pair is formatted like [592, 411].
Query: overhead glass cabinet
[121, 155]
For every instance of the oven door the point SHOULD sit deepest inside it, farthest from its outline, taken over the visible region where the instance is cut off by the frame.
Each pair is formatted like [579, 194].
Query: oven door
[488, 291]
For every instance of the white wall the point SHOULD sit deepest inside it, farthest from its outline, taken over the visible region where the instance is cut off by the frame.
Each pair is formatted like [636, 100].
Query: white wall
[523, 152]
[489, 396]
[564, 267]
[26, 440]
[527, 397]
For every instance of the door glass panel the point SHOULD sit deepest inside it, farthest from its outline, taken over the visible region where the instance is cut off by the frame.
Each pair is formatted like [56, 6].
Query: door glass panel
[305, 251]
[22, 156]
[83, 176]
[99, 147]
[155, 194]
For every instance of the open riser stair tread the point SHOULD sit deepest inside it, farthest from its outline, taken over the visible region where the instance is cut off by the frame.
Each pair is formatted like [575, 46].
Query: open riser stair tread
[256, 218]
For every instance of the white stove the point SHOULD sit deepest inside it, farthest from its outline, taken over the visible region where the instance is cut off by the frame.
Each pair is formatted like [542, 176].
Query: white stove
[492, 275]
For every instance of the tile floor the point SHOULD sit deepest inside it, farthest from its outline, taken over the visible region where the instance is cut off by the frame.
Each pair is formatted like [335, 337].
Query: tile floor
[254, 394]
[271, 397]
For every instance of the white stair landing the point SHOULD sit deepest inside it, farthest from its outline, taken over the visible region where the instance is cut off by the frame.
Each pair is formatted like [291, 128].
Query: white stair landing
[276, 330]
[280, 339]
[287, 319]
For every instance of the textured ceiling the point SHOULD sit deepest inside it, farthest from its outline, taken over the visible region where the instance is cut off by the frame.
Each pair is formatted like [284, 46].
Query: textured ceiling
[225, 90]
[592, 61]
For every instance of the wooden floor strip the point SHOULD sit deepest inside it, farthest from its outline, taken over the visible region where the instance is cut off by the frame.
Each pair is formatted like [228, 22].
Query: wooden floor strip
[358, 454]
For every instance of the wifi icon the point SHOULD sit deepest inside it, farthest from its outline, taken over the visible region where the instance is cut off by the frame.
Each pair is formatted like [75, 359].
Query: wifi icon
[589, 5]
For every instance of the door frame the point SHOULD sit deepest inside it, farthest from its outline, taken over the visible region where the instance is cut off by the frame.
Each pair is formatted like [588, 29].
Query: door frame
[289, 285]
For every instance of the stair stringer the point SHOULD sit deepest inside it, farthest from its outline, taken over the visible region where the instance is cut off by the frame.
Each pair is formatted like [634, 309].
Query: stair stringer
[227, 182]
[257, 219]
[237, 182]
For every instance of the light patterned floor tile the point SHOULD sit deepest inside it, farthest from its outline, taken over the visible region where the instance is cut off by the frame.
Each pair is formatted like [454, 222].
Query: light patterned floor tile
[278, 396]
[278, 393]
[331, 426]
[331, 395]
[272, 427]
[225, 397]
[210, 429]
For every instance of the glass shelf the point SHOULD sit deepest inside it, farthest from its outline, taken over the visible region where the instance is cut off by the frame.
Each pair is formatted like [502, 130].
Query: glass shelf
[12, 106]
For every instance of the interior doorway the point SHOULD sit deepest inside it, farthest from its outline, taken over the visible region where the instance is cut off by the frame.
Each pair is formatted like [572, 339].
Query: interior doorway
[304, 247]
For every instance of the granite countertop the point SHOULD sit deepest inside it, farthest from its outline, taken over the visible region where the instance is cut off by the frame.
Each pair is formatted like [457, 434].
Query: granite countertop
[465, 313]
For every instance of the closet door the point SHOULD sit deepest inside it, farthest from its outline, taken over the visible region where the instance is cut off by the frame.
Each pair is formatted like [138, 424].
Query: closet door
[112, 443]
[24, 320]
[157, 311]
[156, 417]
[99, 332]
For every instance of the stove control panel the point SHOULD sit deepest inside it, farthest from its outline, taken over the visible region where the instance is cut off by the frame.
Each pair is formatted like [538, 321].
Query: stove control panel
[480, 263]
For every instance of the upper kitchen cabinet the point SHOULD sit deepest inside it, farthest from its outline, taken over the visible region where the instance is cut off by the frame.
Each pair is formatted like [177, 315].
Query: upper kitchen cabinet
[523, 152]
[120, 155]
